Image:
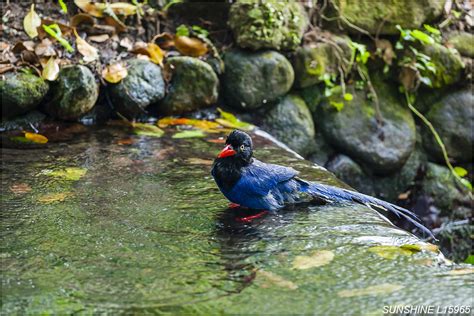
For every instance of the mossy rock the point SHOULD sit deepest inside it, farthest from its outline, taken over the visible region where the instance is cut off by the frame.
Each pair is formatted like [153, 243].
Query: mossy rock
[448, 64]
[463, 42]
[193, 85]
[268, 24]
[313, 96]
[290, 121]
[73, 94]
[143, 86]
[382, 147]
[21, 92]
[377, 16]
[22, 122]
[453, 119]
[255, 79]
[312, 61]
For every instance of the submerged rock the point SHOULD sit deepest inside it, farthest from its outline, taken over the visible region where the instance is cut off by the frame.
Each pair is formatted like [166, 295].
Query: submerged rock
[22, 122]
[143, 86]
[381, 17]
[448, 64]
[193, 85]
[290, 121]
[463, 42]
[355, 131]
[73, 94]
[312, 61]
[252, 80]
[269, 24]
[453, 119]
[21, 92]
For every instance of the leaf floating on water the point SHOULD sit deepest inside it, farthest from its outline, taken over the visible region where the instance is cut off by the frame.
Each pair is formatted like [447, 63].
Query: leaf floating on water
[50, 70]
[147, 130]
[31, 22]
[199, 161]
[205, 125]
[317, 259]
[70, 173]
[381, 289]
[114, 73]
[89, 52]
[420, 247]
[229, 120]
[190, 46]
[268, 279]
[20, 188]
[36, 138]
[391, 252]
[189, 134]
[54, 197]
[461, 271]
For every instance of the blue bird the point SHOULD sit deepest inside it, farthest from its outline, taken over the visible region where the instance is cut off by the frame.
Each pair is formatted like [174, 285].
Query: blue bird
[251, 183]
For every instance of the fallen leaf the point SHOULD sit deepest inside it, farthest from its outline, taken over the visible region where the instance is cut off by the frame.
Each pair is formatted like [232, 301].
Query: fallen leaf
[190, 46]
[229, 120]
[125, 141]
[94, 9]
[45, 48]
[50, 70]
[123, 8]
[216, 140]
[164, 40]
[201, 124]
[404, 195]
[391, 252]
[114, 73]
[29, 45]
[70, 173]
[420, 247]
[31, 22]
[189, 134]
[126, 43]
[317, 259]
[20, 188]
[89, 52]
[155, 53]
[268, 279]
[461, 271]
[54, 197]
[199, 161]
[36, 138]
[81, 18]
[99, 38]
[381, 289]
[147, 130]
[386, 49]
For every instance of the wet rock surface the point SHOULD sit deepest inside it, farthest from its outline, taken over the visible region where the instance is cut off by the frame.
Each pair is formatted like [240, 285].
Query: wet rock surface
[73, 94]
[448, 63]
[254, 80]
[144, 85]
[193, 85]
[21, 92]
[463, 42]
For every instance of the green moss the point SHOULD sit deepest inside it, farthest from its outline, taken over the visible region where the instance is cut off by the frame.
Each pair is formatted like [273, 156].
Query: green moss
[447, 62]
[463, 42]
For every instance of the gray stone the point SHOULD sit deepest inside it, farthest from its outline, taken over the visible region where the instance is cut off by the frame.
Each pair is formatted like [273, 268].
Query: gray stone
[267, 24]
[355, 131]
[453, 119]
[463, 42]
[22, 122]
[448, 64]
[351, 173]
[21, 92]
[143, 86]
[252, 80]
[73, 94]
[193, 85]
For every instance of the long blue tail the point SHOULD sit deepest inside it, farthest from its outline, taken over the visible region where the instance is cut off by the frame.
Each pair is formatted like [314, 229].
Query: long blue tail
[331, 193]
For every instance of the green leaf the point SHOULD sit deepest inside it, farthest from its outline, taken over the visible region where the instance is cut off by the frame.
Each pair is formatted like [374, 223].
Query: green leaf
[229, 120]
[348, 97]
[460, 171]
[63, 6]
[147, 130]
[456, 13]
[426, 81]
[469, 259]
[466, 183]
[182, 30]
[422, 37]
[391, 252]
[199, 30]
[189, 134]
[55, 32]
[171, 3]
[70, 173]
[337, 105]
[431, 29]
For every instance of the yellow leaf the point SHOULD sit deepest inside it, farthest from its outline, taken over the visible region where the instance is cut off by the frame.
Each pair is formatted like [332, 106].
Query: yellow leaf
[317, 259]
[94, 9]
[267, 279]
[54, 197]
[201, 124]
[147, 130]
[89, 52]
[114, 73]
[70, 173]
[391, 252]
[190, 46]
[419, 247]
[123, 8]
[50, 70]
[31, 22]
[381, 289]
[229, 120]
[36, 138]
[155, 53]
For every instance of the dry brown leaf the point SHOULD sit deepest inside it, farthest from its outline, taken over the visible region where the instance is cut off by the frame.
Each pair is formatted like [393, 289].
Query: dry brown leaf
[126, 43]
[317, 259]
[114, 73]
[199, 161]
[4, 46]
[155, 53]
[29, 45]
[89, 52]
[45, 48]
[18, 48]
[31, 22]
[81, 18]
[386, 49]
[190, 46]
[50, 70]
[94, 9]
[123, 8]
[164, 40]
[404, 195]
[118, 25]
[20, 188]
[99, 38]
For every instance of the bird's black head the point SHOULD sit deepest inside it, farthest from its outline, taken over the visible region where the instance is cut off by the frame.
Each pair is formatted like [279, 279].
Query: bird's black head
[239, 147]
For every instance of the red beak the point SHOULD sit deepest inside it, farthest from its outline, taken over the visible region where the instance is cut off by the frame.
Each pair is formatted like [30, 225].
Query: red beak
[226, 152]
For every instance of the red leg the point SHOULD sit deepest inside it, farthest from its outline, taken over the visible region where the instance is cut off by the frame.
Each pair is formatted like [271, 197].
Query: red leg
[234, 205]
[248, 219]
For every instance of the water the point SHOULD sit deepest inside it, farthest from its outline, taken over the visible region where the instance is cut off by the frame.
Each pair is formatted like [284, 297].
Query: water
[146, 230]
